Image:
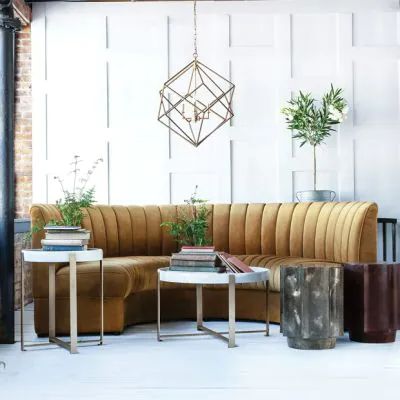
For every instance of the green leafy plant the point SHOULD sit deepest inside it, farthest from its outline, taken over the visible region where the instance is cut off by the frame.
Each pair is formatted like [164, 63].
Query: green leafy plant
[72, 206]
[191, 226]
[312, 122]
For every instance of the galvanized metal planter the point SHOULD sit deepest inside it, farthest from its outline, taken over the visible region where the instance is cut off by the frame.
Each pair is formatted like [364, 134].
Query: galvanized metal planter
[312, 305]
[315, 195]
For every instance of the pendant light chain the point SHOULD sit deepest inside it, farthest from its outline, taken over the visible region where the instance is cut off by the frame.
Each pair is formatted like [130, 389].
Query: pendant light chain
[195, 28]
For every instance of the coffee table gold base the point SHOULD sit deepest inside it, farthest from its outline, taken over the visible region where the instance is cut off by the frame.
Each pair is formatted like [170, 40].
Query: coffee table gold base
[230, 339]
[208, 331]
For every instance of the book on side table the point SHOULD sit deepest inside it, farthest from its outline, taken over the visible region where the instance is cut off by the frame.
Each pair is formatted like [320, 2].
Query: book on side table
[65, 238]
[206, 259]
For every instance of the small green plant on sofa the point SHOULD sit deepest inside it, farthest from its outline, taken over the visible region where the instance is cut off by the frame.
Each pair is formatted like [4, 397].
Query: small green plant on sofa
[72, 206]
[190, 228]
[80, 197]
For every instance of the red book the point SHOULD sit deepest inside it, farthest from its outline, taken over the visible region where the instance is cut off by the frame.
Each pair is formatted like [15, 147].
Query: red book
[239, 264]
[235, 262]
[223, 257]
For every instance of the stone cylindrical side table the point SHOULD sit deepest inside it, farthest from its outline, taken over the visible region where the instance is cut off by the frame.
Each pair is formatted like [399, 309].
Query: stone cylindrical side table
[312, 305]
[372, 302]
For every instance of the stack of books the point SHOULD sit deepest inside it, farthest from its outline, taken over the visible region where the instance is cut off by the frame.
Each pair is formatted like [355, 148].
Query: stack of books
[206, 259]
[197, 259]
[65, 238]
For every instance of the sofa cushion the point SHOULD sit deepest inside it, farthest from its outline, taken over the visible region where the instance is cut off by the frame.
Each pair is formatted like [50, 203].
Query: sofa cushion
[126, 275]
[274, 263]
[122, 276]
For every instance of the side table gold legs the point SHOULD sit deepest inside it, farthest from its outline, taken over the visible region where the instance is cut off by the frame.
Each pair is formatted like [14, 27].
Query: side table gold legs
[72, 345]
[232, 317]
[52, 301]
[267, 308]
[158, 307]
[101, 303]
[232, 310]
[199, 306]
[73, 313]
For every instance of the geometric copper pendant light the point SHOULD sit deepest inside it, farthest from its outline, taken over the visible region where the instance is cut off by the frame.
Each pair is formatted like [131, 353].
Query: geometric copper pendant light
[196, 101]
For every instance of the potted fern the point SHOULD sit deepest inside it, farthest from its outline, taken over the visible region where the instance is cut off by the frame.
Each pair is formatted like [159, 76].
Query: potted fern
[311, 123]
[190, 228]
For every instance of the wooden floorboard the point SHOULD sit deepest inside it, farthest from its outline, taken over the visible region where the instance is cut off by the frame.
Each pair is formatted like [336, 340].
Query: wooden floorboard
[135, 366]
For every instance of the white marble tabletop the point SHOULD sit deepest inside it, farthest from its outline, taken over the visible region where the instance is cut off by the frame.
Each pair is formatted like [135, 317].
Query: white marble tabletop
[258, 275]
[38, 255]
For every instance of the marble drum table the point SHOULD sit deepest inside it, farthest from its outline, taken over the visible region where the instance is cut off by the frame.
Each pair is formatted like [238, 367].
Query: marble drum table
[312, 305]
[212, 278]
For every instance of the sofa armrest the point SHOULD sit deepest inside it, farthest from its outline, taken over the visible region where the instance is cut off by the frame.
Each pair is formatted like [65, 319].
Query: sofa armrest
[333, 231]
[369, 236]
[351, 232]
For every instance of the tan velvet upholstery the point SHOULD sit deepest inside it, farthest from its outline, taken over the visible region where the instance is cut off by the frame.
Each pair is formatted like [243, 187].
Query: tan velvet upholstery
[135, 246]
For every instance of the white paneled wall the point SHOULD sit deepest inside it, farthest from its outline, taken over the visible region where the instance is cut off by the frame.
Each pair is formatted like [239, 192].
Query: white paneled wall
[97, 70]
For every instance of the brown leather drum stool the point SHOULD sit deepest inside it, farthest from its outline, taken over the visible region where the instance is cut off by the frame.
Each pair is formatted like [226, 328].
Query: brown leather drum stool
[372, 302]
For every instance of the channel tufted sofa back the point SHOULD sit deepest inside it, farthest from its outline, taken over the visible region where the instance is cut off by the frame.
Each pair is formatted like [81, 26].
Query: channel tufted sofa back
[135, 247]
[340, 232]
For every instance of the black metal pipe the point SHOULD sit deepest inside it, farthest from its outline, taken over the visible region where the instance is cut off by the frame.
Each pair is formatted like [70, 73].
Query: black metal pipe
[8, 26]
[393, 223]
[394, 241]
[384, 240]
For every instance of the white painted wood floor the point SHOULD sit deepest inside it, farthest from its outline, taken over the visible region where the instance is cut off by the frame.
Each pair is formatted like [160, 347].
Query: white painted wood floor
[135, 366]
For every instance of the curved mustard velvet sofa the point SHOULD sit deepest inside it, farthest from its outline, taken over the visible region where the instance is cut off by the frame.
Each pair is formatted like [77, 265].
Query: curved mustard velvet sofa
[135, 246]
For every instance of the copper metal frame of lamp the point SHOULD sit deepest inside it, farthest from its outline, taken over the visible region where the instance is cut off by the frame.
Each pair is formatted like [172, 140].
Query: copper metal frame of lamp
[208, 81]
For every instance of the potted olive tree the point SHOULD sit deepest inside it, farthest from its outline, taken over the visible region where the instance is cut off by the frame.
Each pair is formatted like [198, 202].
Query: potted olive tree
[311, 122]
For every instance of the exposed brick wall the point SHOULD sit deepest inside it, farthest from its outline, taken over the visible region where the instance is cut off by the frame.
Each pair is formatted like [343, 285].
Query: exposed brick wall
[23, 153]
[20, 243]
[23, 124]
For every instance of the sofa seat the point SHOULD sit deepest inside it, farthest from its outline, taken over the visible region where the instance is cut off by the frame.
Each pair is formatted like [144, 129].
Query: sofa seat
[124, 276]
[273, 263]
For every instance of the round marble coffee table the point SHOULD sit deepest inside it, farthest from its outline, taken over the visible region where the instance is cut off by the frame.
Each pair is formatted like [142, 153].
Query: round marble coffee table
[212, 278]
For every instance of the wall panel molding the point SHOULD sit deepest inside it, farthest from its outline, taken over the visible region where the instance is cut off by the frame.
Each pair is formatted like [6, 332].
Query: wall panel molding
[268, 49]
